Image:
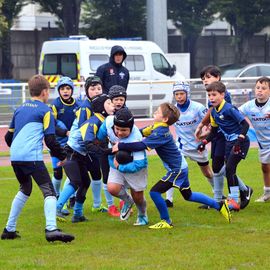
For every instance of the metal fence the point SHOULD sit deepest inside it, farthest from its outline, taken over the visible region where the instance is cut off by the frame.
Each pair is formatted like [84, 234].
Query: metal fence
[12, 95]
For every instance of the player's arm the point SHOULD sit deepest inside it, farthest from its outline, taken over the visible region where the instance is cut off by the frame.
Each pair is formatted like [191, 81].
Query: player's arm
[54, 146]
[205, 122]
[9, 137]
[132, 147]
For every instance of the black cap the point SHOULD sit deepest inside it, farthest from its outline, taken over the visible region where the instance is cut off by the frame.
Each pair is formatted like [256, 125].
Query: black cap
[124, 118]
[117, 91]
[98, 104]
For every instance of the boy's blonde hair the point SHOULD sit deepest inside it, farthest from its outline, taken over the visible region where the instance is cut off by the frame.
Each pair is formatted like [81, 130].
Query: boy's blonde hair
[36, 84]
[170, 111]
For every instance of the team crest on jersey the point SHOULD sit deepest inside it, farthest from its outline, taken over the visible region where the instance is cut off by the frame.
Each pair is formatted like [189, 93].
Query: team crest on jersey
[221, 117]
[122, 75]
[111, 71]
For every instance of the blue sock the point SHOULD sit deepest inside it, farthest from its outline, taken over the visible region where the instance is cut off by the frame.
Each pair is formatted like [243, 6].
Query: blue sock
[56, 185]
[78, 209]
[234, 193]
[108, 196]
[96, 191]
[50, 212]
[64, 196]
[67, 181]
[16, 208]
[204, 199]
[160, 205]
[218, 186]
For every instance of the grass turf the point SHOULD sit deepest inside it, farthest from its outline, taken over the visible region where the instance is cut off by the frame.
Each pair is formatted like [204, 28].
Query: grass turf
[200, 239]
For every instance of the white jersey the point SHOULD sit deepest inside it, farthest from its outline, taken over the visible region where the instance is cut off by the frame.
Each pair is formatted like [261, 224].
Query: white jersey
[187, 123]
[261, 124]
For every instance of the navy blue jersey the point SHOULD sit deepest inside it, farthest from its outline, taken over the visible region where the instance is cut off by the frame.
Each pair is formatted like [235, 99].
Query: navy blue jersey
[91, 126]
[64, 112]
[228, 119]
[30, 122]
[159, 137]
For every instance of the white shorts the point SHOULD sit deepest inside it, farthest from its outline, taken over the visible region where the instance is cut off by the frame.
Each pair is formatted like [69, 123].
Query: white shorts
[264, 155]
[195, 156]
[136, 181]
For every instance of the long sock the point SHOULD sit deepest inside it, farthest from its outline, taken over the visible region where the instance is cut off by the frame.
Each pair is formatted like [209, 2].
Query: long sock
[161, 206]
[64, 196]
[266, 190]
[124, 195]
[78, 209]
[169, 194]
[67, 181]
[16, 208]
[141, 208]
[234, 193]
[108, 196]
[241, 184]
[50, 212]
[204, 199]
[218, 179]
[211, 182]
[96, 191]
[56, 185]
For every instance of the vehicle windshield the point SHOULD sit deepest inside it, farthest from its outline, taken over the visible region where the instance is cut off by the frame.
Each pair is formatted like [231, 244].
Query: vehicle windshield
[231, 73]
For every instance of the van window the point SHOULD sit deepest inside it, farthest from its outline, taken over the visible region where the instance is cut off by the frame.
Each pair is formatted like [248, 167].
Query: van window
[97, 60]
[160, 64]
[135, 63]
[60, 64]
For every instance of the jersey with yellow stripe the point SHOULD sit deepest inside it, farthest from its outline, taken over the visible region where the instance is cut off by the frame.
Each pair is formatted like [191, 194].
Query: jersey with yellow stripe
[228, 119]
[159, 137]
[90, 127]
[64, 112]
[84, 112]
[30, 122]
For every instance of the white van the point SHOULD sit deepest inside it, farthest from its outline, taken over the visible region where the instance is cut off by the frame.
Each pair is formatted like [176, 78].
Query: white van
[151, 74]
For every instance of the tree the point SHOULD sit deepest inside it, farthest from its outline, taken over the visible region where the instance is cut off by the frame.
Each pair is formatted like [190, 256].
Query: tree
[67, 11]
[247, 17]
[10, 10]
[114, 19]
[190, 16]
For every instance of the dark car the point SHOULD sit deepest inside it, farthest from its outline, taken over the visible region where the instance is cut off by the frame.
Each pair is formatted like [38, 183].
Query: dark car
[239, 80]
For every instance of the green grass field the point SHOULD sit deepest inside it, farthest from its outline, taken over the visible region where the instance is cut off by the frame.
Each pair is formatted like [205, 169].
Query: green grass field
[200, 239]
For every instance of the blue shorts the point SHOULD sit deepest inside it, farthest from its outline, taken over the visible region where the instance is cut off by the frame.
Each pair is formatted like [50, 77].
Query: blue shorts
[244, 148]
[179, 178]
[218, 145]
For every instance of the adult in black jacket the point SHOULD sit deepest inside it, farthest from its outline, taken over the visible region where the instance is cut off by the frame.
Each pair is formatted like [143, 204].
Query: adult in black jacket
[114, 73]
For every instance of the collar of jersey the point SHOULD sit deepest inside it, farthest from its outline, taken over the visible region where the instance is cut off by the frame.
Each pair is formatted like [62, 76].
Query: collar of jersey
[221, 105]
[67, 104]
[159, 124]
[99, 116]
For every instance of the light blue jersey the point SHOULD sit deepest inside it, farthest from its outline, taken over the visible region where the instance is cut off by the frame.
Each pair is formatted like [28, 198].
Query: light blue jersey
[30, 122]
[139, 158]
[75, 140]
[261, 124]
[187, 123]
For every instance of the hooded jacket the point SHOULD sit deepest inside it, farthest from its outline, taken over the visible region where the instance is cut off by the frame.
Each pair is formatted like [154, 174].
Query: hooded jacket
[112, 73]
